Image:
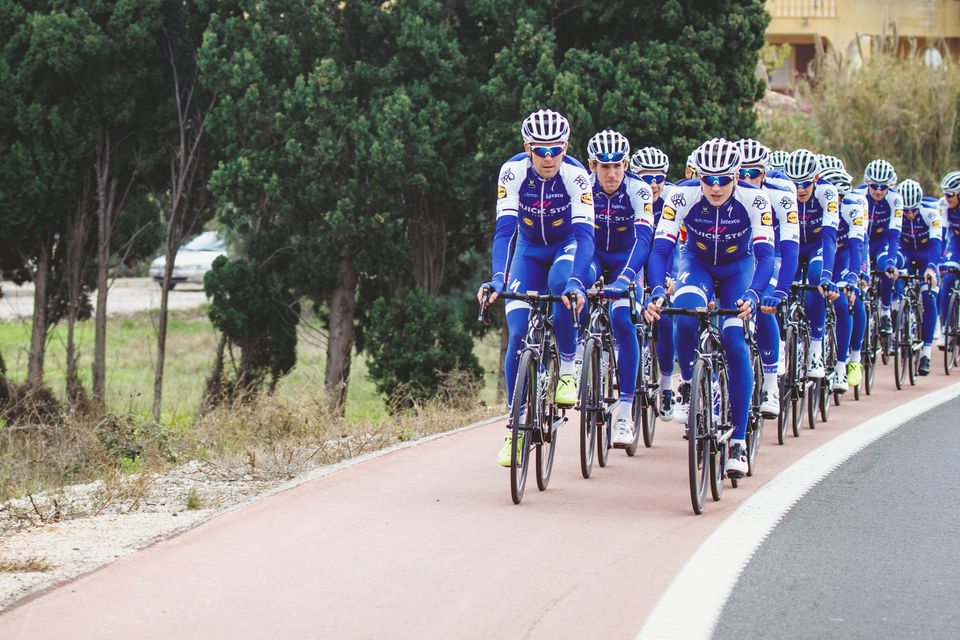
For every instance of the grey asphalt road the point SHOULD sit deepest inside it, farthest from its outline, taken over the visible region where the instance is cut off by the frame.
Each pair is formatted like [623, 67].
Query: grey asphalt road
[870, 552]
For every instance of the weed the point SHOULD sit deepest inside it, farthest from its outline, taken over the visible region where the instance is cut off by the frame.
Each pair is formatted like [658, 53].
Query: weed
[24, 565]
[193, 499]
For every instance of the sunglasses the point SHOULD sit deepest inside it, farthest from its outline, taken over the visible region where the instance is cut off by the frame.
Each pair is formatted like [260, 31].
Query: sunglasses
[551, 152]
[617, 156]
[716, 181]
[804, 184]
[750, 174]
[878, 187]
[951, 194]
[651, 179]
[911, 210]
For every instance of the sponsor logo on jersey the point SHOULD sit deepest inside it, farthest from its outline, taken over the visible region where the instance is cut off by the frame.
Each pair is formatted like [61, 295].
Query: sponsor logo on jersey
[922, 241]
[858, 221]
[531, 184]
[581, 181]
[507, 176]
[878, 230]
[898, 213]
[669, 213]
[817, 230]
[791, 216]
[501, 192]
[785, 202]
[760, 203]
[732, 249]
[832, 206]
[586, 198]
[936, 223]
[648, 208]
[528, 222]
[557, 223]
[678, 200]
[702, 246]
[621, 228]
[766, 218]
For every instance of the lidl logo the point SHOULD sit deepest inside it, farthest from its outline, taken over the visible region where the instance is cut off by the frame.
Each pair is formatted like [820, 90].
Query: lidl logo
[898, 213]
[669, 213]
[501, 192]
[832, 206]
[766, 218]
[586, 198]
[648, 208]
[792, 216]
[858, 221]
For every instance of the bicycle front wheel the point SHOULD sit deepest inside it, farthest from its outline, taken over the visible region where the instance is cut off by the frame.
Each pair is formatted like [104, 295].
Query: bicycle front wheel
[607, 397]
[755, 420]
[951, 335]
[786, 390]
[651, 394]
[872, 339]
[551, 418]
[699, 432]
[901, 347]
[589, 375]
[523, 420]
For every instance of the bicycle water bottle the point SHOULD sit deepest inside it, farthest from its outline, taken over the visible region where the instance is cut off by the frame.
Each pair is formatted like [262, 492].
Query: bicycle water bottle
[715, 386]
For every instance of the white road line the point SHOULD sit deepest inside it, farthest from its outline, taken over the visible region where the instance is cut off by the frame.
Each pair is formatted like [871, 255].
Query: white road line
[710, 575]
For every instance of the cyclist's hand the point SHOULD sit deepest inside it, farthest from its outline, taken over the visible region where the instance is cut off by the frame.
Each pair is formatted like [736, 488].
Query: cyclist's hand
[671, 286]
[892, 273]
[616, 290]
[494, 287]
[573, 294]
[652, 312]
[746, 309]
[931, 277]
[768, 304]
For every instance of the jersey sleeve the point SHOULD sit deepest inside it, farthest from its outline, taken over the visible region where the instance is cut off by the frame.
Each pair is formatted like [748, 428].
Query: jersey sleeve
[665, 238]
[578, 186]
[761, 223]
[508, 203]
[830, 204]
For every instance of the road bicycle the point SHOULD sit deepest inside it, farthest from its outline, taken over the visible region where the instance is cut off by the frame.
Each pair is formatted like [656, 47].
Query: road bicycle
[709, 422]
[754, 435]
[951, 324]
[872, 350]
[599, 385]
[816, 389]
[906, 341]
[794, 383]
[535, 417]
[646, 401]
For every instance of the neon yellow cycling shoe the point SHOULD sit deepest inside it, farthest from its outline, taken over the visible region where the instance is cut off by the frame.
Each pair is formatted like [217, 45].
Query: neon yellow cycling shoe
[503, 458]
[854, 373]
[566, 395]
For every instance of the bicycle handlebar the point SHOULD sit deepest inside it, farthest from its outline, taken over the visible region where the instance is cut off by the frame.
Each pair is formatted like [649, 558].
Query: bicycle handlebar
[697, 312]
[534, 298]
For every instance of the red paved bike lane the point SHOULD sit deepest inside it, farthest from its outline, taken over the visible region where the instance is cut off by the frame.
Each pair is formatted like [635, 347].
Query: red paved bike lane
[424, 542]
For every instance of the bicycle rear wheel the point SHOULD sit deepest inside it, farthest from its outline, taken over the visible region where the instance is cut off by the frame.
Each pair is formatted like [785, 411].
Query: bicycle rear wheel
[589, 375]
[830, 363]
[699, 431]
[813, 402]
[786, 392]
[651, 394]
[900, 341]
[523, 420]
[951, 331]
[869, 363]
[755, 419]
[550, 418]
[607, 396]
[916, 341]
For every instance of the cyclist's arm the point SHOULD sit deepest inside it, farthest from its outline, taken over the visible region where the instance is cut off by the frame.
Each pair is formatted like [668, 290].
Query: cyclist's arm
[785, 207]
[577, 183]
[830, 205]
[893, 230]
[641, 199]
[761, 221]
[664, 241]
[935, 237]
[508, 204]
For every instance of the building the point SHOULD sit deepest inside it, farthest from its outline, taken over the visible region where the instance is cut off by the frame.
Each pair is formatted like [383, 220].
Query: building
[859, 28]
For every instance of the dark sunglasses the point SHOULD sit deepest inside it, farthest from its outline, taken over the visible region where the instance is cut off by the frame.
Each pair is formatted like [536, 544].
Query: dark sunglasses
[544, 152]
[878, 187]
[951, 194]
[750, 174]
[649, 179]
[716, 181]
[610, 157]
[911, 210]
[804, 184]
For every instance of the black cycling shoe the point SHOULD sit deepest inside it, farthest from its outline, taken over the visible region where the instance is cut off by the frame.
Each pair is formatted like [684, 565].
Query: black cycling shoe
[924, 367]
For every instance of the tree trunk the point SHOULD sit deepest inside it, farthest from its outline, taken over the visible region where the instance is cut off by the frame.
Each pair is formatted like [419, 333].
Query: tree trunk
[428, 235]
[75, 266]
[38, 338]
[172, 245]
[340, 342]
[106, 192]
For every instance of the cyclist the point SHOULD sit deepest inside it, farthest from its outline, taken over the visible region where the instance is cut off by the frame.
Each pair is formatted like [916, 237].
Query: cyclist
[690, 171]
[920, 242]
[544, 201]
[885, 220]
[783, 199]
[851, 316]
[623, 229]
[819, 213]
[652, 164]
[777, 160]
[949, 206]
[729, 250]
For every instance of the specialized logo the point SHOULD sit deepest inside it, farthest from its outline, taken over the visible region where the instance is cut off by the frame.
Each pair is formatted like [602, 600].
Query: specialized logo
[557, 223]
[732, 249]
[760, 203]
[702, 246]
[507, 176]
[785, 202]
[669, 213]
[678, 200]
[528, 222]
[621, 228]
[791, 216]
[766, 219]
[586, 198]
[832, 206]
[531, 184]
[501, 192]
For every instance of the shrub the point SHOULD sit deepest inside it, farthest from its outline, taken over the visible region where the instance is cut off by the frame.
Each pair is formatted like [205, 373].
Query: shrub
[415, 342]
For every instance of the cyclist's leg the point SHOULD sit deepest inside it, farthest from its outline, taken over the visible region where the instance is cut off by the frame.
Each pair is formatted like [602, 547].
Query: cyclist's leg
[666, 354]
[528, 272]
[857, 329]
[844, 327]
[557, 279]
[768, 342]
[694, 289]
[734, 279]
[817, 315]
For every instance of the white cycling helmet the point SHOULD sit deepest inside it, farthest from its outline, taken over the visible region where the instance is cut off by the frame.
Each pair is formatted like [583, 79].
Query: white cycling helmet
[608, 146]
[777, 160]
[839, 178]
[911, 193]
[753, 153]
[692, 160]
[879, 172]
[950, 185]
[801, 165]
[717, 157]
[649, 159]
[830, 162]
[545, 126]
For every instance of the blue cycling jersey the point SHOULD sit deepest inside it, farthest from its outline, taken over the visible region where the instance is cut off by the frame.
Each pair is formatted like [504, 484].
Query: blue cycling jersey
[851, 238]
[786, 231]
[819, 218]
[544, 212]
[922, 234]
[623, 223]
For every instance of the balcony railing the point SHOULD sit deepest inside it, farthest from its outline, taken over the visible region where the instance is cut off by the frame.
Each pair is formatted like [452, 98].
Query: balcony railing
[803, 8]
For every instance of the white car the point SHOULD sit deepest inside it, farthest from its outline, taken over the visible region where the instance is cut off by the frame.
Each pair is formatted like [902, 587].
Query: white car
[193, 259]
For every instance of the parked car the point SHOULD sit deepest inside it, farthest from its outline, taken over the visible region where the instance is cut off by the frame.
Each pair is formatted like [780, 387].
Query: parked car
[193, 259]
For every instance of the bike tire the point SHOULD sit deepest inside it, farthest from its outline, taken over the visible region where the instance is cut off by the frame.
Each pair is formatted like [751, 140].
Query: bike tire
[915, 331]
[830, 362]
[754, 433]
[901, 348]
[699, 430]
[951, 334]
[524, 395]
[873, 348]
[551, 419]
[607, 397]
[813, 402]
[652, 394]
[786, 391]
[589, 372]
